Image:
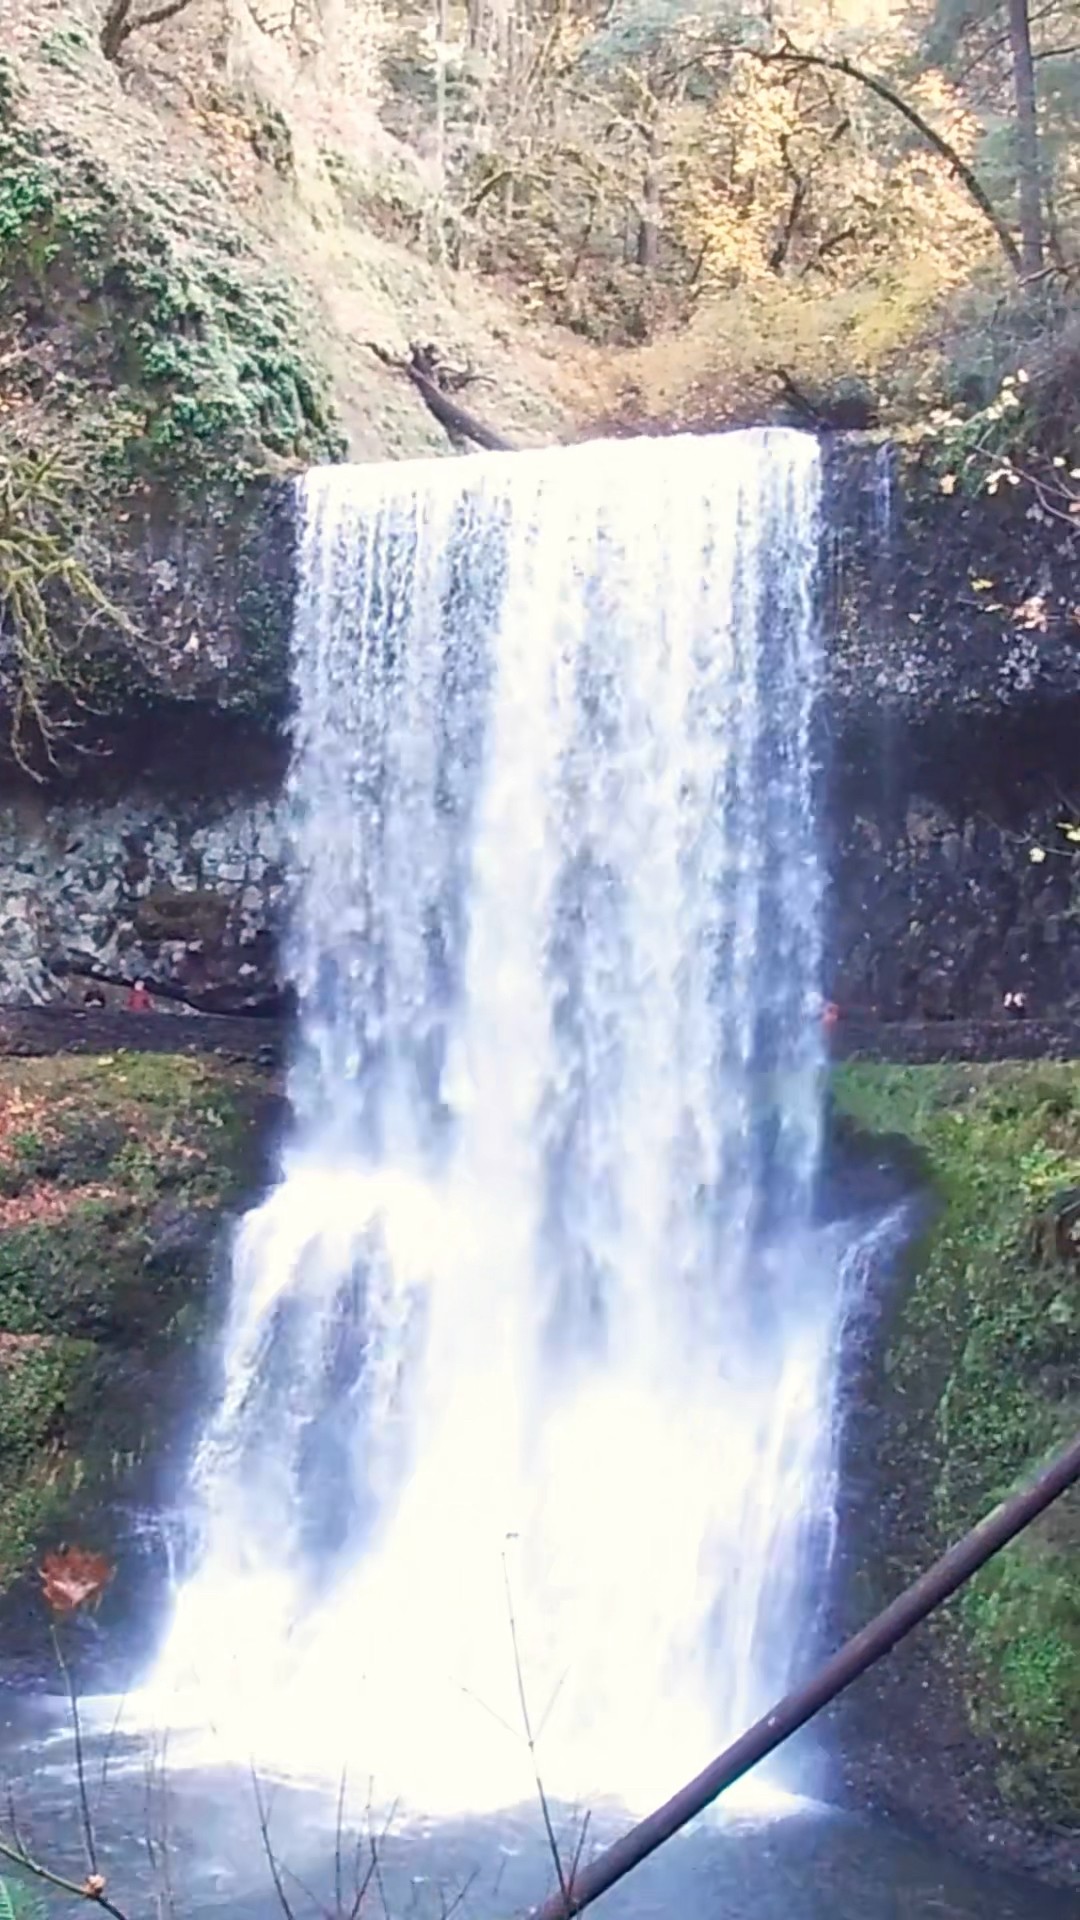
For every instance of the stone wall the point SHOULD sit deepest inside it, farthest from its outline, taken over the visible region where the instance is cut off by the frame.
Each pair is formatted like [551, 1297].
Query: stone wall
[186, 894]
[937, 909]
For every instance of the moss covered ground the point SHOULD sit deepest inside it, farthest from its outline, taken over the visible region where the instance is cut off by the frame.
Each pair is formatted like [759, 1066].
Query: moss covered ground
[114, 1177]
[982, 1380]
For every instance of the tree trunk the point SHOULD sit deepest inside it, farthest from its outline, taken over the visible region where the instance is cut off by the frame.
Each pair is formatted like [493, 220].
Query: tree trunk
[1027, 139]
[114, 30]
[648, 234]
[118, 25]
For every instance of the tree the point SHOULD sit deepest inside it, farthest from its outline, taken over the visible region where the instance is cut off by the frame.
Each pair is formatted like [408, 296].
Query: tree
[1016, 62]
[844, 175]
[1028, 167]
[788, 55]
[122, 20]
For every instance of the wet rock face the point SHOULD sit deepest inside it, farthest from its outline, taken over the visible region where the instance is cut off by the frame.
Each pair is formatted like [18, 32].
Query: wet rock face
[949, 729]
[119, 1178]
[959, 1379]
[947, 906]
[944, 609]
[186, 895]
[210, 592]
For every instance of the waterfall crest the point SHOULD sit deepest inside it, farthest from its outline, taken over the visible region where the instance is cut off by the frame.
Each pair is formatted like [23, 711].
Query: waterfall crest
[536, 1322]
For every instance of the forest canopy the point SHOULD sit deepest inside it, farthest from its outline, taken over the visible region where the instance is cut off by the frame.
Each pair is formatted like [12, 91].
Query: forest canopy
[831, 180]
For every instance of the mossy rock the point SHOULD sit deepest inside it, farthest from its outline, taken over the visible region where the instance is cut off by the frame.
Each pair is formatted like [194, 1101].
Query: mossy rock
[40, 1376]
[116, 1176]
[981, 1380]
[167, 366]
[192, 352]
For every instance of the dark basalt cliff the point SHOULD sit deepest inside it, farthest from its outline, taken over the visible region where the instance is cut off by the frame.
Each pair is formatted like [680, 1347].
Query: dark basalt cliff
[945, 607]
[154, 846]
[950, 716]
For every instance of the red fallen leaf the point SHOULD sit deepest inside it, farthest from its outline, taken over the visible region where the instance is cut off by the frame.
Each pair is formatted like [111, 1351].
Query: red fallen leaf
[74, 1578]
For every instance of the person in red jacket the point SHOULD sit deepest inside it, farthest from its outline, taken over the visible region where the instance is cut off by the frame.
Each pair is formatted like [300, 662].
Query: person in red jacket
[138, 1000]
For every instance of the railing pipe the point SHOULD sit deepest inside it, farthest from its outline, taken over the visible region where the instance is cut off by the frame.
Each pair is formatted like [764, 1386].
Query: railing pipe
[938, 1584]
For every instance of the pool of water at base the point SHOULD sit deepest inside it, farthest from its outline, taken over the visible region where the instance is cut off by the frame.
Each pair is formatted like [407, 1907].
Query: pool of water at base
[189, 1842]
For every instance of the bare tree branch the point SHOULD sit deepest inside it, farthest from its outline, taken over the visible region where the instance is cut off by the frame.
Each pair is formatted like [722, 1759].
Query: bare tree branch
[530, 1741]
[268, 1846]
[80, 1757]
[121, 22]
[790, 56]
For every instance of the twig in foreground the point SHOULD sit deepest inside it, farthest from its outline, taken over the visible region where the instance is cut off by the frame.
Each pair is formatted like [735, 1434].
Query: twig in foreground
[531, 1742]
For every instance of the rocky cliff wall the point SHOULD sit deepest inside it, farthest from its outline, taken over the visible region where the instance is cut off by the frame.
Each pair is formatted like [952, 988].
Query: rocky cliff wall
[952, 704]
[184, 893]
[955, 886]
[118, 1177]
[949, 726]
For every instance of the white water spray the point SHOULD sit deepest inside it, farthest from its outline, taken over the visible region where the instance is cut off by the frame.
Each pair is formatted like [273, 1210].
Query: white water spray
[536, 1321]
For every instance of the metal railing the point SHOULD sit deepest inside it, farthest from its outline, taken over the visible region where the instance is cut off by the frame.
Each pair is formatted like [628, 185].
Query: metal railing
[868, 1646]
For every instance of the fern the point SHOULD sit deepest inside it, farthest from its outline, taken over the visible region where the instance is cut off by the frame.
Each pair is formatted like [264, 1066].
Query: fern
[18, 1901]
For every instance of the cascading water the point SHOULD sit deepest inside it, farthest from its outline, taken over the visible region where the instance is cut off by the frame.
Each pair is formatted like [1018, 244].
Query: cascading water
[536, 1326]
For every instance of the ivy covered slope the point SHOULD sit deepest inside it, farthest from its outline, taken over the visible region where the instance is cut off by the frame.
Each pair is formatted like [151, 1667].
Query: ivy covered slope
[115, 1176]
[154, 385]
[981, 1381]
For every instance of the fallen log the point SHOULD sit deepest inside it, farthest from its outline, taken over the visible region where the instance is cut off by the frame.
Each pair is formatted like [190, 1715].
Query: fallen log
[28, 1033]
[272, 1003]
[421, 368]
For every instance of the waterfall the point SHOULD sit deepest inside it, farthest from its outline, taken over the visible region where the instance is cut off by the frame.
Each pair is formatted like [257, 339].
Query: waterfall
[535, 1338]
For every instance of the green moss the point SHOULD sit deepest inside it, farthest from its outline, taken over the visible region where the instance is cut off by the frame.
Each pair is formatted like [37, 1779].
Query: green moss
[113, 1179]
[983, 1380]
[195, 352]
[181, 382]
[1023, 1618]
[54, 1275]
[38, 1381]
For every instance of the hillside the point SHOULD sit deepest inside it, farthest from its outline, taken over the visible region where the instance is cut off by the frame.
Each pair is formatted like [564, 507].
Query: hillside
[229, 134]
[219, 221]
